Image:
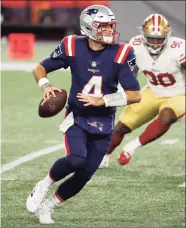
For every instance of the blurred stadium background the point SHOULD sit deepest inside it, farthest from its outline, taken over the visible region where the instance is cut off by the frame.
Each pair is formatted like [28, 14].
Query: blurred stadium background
[142, 194]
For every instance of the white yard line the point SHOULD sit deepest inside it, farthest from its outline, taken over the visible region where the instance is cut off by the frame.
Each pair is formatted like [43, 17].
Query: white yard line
[170, 141]
[33, 155]
[30, 157]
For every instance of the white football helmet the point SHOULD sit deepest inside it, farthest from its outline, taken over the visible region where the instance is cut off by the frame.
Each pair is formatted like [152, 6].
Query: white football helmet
[156, 31]
[94, 17]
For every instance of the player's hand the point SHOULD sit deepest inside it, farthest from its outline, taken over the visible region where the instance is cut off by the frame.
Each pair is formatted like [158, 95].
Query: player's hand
[90, 100]
[49, 91]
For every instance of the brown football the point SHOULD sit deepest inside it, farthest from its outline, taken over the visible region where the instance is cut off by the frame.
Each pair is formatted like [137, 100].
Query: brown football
[54, 105]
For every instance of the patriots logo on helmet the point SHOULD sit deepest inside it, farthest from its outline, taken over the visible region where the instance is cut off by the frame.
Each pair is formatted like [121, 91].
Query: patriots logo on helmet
[92, 12]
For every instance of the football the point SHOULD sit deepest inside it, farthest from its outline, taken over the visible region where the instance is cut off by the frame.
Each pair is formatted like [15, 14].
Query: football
[54, 105]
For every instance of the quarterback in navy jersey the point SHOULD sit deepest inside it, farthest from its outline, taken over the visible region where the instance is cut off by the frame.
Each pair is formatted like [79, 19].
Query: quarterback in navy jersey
[97, 63]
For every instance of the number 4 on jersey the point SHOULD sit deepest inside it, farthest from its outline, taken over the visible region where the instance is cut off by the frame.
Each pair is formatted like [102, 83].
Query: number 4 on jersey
[94, 87]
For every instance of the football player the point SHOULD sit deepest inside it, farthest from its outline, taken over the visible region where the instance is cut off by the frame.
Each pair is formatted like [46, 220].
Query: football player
[97, 64]
[161, 58]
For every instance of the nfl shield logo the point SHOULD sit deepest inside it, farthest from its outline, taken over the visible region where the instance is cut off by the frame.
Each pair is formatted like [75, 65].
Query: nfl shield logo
[94, 64]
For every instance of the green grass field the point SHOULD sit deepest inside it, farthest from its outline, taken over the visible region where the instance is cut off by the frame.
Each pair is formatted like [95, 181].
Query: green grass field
[144, 193]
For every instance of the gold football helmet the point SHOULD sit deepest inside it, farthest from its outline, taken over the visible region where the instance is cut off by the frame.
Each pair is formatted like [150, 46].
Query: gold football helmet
[155, 31]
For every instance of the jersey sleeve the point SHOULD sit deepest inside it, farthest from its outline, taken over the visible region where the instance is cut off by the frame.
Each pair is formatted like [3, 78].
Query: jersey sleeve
[127, 71]
[181, 56]
[56, 60]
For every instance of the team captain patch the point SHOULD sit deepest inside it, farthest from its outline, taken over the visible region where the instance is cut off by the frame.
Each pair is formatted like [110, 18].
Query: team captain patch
[132, 63]
[57, 52]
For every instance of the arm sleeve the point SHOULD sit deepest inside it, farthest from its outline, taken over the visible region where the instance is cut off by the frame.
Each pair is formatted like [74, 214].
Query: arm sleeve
[56, 60]
[127, 72]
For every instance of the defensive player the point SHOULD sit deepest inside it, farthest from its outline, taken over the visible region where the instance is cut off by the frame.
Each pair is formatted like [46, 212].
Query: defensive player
[97, 64]
[161, 58]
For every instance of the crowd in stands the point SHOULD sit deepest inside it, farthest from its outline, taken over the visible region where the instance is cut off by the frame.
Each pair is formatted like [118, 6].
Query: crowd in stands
[47, 12]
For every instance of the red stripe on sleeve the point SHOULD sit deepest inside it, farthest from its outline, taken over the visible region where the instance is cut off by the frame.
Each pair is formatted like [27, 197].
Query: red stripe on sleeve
[126, 54]
[119, 52]
[66, 45]
[73, 45]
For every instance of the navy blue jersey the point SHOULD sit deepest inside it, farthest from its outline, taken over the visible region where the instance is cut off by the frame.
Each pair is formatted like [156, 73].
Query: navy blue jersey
[93, 72]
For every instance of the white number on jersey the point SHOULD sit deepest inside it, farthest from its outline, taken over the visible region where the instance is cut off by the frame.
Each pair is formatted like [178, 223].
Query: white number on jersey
[94, 87]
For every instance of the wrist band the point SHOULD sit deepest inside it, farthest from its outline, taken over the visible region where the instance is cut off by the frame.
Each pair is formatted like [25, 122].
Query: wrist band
[43, 82]
[115, 99]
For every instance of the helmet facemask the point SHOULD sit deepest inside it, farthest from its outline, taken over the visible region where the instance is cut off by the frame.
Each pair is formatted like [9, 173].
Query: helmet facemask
[155, 31]
[154, 44]
[105, 36]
